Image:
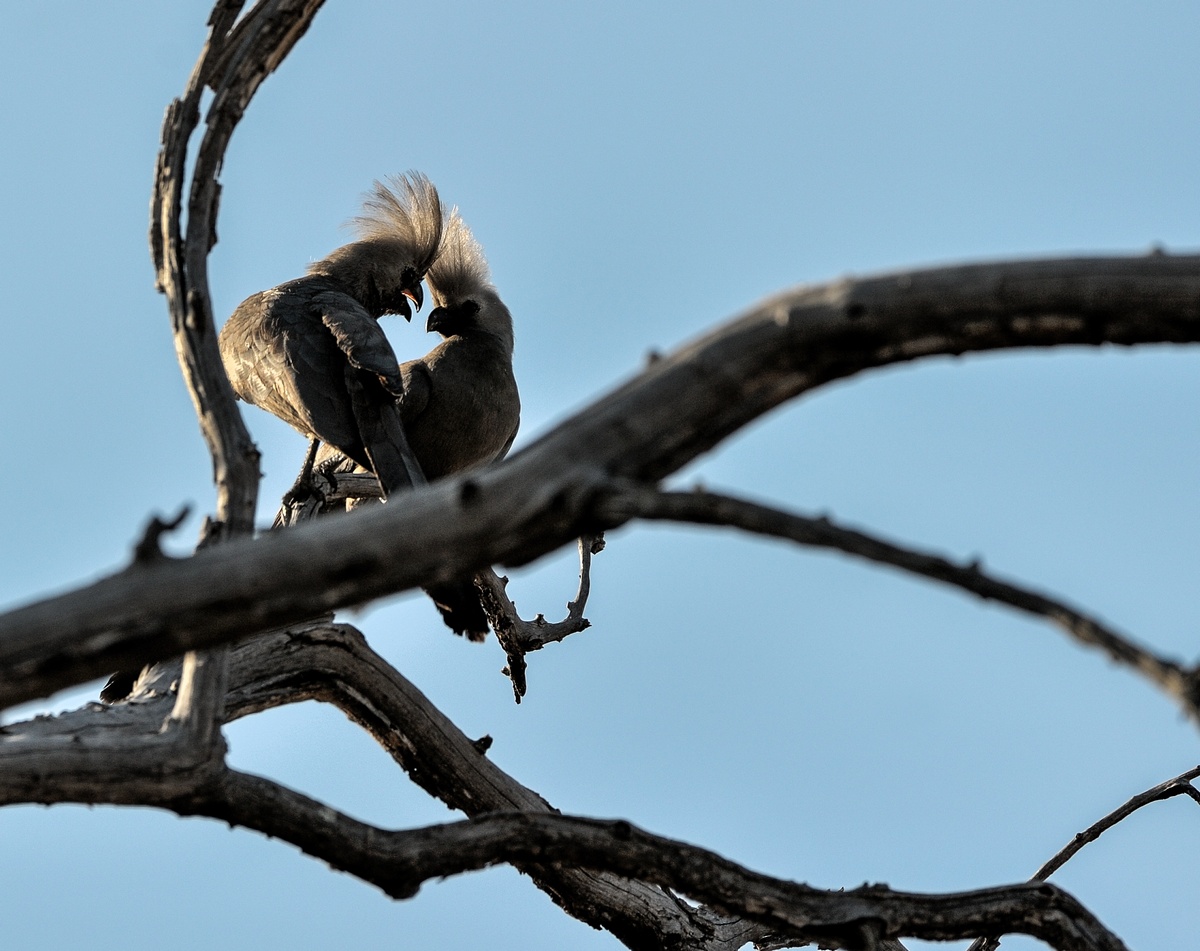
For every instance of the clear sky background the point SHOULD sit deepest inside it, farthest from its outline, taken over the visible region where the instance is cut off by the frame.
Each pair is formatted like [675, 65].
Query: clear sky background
[637, 173]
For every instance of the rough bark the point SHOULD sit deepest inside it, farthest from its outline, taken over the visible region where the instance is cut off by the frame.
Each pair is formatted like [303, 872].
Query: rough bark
[545, 496]
[597, 470]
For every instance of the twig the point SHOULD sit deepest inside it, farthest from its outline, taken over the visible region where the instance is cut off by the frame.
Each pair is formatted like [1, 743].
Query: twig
[627, 500]
[147, 548]
[517, 636]
[1181, 785]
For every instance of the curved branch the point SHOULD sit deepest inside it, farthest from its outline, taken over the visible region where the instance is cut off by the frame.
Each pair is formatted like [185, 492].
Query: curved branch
[120, 755]
[333, 663]
[1181, 785]
[516, 635]
[58, 759]
[234, 61]
[629, 501]
[540, 498]
[399, 862]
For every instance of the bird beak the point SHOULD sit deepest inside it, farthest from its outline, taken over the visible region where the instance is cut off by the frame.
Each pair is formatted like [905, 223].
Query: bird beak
[416, 295]
[433, 322]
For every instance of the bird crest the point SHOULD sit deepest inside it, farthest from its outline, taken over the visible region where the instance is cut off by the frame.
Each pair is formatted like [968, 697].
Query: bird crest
[460, 270]
[405, 210]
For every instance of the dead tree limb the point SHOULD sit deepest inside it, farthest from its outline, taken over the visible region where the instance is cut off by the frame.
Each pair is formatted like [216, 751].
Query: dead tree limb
[630, 501]
[541, 497]
[605, 872]
[1181, 785]
[120, 755]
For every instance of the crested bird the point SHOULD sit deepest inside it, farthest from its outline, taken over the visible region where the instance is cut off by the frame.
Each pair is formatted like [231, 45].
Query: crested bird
[460, 406]
[312, 352]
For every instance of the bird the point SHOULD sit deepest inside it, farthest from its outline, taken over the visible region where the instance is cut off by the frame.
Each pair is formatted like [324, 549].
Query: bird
[460, 405]
[312, 352]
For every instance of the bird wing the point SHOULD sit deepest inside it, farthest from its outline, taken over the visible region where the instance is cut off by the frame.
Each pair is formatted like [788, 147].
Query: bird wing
[359, 337]
[271, 353]
[418, 388]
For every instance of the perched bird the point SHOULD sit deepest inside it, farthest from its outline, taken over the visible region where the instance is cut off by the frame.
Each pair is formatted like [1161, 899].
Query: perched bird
[460, 405]
[311, 351]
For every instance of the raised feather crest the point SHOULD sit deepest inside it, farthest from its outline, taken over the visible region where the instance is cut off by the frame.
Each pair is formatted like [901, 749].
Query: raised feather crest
[460, 270]
[404, 209]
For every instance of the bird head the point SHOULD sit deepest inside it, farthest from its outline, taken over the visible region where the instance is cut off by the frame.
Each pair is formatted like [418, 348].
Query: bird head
[461, 284]
[400, 232]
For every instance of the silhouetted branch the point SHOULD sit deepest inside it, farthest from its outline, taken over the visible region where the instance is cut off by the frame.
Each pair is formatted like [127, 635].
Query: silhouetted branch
[1181, 785]
[233, 63]
[629, 501]
[399, 862]
[518, 636]
[540, 498]
[68, 758]
[120, 754]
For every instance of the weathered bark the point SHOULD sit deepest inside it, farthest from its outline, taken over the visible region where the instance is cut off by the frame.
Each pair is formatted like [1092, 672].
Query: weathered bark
[596, 470]
[544, 496]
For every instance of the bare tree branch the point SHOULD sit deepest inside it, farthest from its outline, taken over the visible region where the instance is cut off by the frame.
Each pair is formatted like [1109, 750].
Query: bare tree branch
[518, 636]
[121, 755]
[117, 760]
[334, 664]
[234, 72]
[629, 500]
[1181, 785]
[540, 498]
[399, 862]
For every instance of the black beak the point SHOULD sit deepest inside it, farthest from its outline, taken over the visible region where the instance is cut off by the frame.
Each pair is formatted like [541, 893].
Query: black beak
[416, 295]
[434, 322]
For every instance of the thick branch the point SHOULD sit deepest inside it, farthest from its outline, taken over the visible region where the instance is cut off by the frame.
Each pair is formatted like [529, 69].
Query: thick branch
[399, 862]
[556, 850]
[630, 501]
[120, 755]
[540, 498]
[333, 663]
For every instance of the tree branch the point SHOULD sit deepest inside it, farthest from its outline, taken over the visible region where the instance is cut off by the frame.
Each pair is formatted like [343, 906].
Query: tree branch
[120, 755]
[540, 498]
[518, 636]
[628, 501]
[117, 761]
[263, 38]
[399, 862]
[1181, 785]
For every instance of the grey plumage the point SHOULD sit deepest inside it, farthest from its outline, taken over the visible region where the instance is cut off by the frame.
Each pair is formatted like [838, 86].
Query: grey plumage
[311, 351]
[460, 406]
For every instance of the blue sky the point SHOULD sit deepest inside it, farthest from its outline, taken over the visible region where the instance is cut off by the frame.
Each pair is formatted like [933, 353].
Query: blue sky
[637, 173]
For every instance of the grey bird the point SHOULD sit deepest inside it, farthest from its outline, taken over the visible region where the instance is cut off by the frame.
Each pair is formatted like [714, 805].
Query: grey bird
[311, 351]
[460, 406]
